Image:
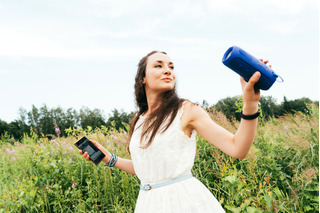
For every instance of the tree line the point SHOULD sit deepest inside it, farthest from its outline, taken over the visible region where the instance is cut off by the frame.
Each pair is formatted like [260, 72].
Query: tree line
[269, 108]
[51, 122]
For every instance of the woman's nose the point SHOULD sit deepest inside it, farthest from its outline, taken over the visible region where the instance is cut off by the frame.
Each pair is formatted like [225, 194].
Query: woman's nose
[167, 71]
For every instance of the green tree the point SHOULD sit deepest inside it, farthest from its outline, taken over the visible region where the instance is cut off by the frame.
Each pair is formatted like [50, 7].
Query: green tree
[292, 106]
[118, 118]
[33, 118]
[4, 127]
[269, 107]
[228, 107]
[24, 128]
[46, 121]
[93, 118]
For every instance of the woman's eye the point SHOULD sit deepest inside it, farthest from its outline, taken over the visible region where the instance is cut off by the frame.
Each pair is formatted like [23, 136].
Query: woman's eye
[171, 67]
[158, 66]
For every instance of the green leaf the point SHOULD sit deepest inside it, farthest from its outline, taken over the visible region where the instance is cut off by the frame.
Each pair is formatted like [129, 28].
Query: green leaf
[233, 209]
[278, 192]
[268, 200]
[308, 208]
[231, 179]
[251, 209]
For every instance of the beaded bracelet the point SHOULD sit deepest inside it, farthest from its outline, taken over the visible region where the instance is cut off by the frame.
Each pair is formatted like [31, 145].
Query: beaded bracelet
[112, 161]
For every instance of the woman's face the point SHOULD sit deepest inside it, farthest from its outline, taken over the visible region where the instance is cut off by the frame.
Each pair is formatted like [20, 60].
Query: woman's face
[160, 76]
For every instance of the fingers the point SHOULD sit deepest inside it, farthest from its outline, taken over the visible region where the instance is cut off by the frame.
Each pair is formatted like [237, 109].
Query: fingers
[85, 155]
[265, 61]
[254, 79]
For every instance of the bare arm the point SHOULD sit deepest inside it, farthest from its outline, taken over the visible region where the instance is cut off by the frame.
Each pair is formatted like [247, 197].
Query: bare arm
[123, 164]
[235, 145]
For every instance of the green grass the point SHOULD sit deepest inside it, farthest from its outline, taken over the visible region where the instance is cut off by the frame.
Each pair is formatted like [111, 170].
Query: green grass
[280, 173]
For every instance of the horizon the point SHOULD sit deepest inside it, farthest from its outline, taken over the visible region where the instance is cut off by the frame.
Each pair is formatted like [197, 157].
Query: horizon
[107, 115]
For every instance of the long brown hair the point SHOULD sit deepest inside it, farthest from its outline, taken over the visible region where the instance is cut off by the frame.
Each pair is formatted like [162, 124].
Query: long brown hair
[170, 104]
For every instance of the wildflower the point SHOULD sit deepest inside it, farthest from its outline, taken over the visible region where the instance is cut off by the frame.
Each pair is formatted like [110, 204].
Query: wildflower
[57, 130]
[17, 143]
[71, 148]
[114, 137]
[74, 185]
[108, 141]
[267, 179]
[70, 160]
[13, 159]
[10, 151]
[48, 187]
[53, 140]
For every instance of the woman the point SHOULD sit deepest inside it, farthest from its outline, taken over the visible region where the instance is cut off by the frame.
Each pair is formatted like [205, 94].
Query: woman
[163, 140]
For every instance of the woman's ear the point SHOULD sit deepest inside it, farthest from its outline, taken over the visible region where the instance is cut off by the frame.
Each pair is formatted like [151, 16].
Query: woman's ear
[144, 81]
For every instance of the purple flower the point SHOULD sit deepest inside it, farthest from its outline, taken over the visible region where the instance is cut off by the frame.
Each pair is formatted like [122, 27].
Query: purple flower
[74, 185]
[71, 148]
[53, 140]
[10, 151]
[70, 160]
[115, 137]
[57, 130]
[48, 187]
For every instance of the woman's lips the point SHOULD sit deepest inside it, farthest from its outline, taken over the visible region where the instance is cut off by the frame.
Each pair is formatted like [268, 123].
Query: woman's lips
[167, 79]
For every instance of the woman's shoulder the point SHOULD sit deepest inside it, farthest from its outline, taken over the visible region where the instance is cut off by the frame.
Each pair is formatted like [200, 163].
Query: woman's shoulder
[189, 106]
[190, 111]
[193, 114]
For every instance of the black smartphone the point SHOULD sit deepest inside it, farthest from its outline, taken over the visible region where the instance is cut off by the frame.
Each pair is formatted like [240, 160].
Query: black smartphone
[85, 145]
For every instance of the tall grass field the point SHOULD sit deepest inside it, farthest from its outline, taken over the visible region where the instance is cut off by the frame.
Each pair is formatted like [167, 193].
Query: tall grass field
[280, 173]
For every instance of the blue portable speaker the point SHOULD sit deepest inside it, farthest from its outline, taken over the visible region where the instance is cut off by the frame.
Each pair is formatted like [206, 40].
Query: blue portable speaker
[246, 65]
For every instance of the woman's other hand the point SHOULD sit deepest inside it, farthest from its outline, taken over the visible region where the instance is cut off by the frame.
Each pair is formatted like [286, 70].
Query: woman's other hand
[107, 157]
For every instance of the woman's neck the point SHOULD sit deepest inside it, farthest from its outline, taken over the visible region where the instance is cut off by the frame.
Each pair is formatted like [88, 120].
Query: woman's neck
[153, 103]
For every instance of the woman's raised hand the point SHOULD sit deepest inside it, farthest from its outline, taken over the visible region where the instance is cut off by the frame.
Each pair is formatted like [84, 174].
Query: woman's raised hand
[106, 159]
[251, 94]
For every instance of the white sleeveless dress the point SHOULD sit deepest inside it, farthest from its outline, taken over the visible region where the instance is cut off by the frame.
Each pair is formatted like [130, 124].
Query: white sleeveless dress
[170, 155]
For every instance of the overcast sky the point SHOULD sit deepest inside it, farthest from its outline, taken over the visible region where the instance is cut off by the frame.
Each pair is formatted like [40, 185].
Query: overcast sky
[85, 52]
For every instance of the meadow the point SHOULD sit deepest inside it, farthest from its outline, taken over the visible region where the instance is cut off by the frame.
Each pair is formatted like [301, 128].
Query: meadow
[280, 173]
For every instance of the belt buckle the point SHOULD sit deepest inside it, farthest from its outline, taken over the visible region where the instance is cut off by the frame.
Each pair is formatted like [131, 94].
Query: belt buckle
[149, 187]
